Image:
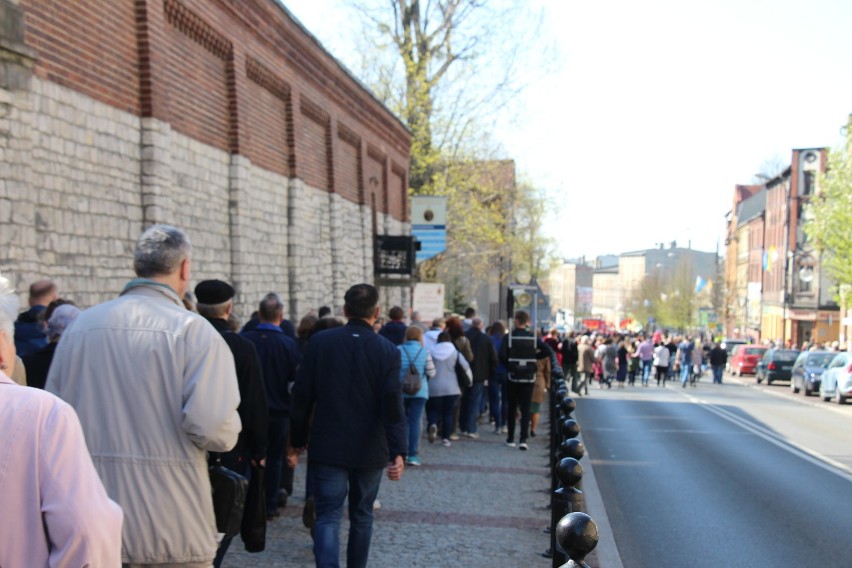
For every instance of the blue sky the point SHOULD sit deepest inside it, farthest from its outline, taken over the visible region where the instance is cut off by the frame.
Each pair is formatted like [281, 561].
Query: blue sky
[654, 110]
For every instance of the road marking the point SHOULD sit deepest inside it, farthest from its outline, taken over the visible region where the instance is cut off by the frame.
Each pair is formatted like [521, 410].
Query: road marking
[790, 446]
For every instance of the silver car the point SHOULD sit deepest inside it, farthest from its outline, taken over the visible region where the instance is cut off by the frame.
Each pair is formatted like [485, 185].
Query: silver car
[837, 379]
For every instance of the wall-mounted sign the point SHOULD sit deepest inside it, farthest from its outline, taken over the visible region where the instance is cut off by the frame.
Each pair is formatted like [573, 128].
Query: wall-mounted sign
[395, 255]
[429, 224]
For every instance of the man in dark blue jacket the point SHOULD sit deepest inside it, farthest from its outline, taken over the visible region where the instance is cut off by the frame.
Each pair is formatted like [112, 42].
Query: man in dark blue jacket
[279, 358]
[351, 375]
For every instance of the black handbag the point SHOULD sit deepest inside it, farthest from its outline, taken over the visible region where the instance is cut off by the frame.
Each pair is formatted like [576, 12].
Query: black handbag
[229, 498]
[254, 518]
[465, 380]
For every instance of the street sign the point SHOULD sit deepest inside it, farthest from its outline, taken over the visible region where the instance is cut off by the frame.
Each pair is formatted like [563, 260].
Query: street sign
[394, 255]
[429, 225]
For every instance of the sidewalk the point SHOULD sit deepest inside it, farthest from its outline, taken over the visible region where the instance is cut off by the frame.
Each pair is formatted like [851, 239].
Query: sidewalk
[476, 503]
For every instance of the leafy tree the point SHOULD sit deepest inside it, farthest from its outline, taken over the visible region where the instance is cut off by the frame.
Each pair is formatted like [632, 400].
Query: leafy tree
[444, 66]
[830, 215]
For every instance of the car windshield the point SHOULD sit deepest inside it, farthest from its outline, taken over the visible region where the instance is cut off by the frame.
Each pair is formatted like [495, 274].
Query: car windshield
[820, 360]
[754, 350]
[785, 355]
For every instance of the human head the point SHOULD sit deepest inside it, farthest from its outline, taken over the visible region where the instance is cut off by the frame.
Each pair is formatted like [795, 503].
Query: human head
[162, 253]
[498, 328]
[362, 302]
[306, 326]
[522, 318]
[271, 309]
[439, 323]
[60, 320]
[42, 293]
[396, 313]
[324, 311]
[214, 299]
[8, 313]
[477, 323]
[454, 327]
[414, 333]
[469, 313]
[444, 337]
[415, 316]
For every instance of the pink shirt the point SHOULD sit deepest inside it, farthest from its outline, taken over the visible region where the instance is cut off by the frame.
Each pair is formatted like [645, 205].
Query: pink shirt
[646, 350]
[48, 481]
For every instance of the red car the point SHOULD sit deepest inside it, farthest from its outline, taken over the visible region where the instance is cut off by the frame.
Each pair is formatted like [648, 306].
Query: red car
[744, 359]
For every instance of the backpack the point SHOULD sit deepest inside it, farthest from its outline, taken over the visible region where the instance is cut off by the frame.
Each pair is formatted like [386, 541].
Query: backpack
[412, 381]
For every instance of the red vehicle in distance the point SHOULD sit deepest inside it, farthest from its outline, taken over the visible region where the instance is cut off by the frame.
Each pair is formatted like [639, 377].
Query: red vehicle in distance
[744, 359]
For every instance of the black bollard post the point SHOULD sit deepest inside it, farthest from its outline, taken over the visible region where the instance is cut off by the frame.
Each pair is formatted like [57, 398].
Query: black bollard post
[566, 499]
[572, 448]
[576, 536]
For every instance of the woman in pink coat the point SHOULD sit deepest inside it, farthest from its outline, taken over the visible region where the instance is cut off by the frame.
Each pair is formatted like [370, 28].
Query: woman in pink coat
[55, 509]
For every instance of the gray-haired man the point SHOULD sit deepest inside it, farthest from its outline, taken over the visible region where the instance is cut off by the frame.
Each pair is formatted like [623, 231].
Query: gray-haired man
[155, 388]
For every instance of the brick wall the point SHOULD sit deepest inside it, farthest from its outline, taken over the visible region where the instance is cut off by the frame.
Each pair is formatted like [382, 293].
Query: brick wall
[220, 116]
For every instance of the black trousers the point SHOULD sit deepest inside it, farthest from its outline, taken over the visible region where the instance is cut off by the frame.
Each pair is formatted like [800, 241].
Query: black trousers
[519, 395]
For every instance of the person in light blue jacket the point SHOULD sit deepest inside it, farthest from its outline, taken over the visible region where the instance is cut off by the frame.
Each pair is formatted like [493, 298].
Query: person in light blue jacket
[413, 352]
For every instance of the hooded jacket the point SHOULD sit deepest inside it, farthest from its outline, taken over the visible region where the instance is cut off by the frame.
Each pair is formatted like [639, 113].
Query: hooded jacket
[445, 383]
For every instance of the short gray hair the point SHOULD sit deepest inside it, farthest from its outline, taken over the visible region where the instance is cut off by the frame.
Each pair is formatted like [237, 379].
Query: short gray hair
[160, 250]
[60, 320]
[214, 311]
[8, 308]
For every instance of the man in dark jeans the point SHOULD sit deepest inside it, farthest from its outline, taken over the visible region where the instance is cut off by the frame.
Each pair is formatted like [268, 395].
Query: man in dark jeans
[484, 366]
[570, 357]
[350, 375]
[215, 303]
[718, 358]
[279, 358]
[521, 360]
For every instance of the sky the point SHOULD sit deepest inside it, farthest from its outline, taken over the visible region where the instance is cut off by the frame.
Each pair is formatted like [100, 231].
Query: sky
[651, 112]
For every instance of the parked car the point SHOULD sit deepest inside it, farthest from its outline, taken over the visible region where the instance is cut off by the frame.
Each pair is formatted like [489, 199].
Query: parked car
[728, 345]
[776, 365]
[808, 369]
[837, 379]
[744, 359]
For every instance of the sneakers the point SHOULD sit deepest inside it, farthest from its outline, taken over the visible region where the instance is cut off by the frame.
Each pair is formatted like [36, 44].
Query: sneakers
[446, 443]
[510, 443]
[522, 446]
[433, 433]
[415, 461]
[472, 435]
[454, 437]
[309, 513]
[377, 505]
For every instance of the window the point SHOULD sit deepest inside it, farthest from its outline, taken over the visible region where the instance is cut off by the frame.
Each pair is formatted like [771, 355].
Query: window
[808, 188]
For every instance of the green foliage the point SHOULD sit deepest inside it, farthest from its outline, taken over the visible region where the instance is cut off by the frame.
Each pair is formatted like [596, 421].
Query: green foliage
[829, 215]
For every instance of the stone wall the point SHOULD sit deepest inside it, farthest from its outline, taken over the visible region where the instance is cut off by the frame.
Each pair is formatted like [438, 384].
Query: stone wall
[85, 166]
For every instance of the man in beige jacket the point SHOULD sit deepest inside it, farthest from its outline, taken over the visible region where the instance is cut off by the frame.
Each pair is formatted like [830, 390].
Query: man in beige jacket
[155, 388]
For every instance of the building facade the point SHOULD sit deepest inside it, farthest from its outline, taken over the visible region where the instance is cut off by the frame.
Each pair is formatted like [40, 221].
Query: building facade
[223, 117]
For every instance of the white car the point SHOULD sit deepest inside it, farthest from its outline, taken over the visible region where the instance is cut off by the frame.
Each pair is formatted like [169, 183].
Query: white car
[837, 379]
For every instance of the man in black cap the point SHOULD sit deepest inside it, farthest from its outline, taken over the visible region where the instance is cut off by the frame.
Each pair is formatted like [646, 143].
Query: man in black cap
[215, 303]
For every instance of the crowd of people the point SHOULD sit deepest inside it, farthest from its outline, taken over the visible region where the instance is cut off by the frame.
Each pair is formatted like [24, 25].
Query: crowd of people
[122, 407]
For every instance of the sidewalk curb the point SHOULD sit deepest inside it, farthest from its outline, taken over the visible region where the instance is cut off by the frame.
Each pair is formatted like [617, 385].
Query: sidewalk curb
[607, 551]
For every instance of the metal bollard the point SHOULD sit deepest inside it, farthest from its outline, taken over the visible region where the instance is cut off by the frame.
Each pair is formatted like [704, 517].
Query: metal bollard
[566, 499]
[576, 537]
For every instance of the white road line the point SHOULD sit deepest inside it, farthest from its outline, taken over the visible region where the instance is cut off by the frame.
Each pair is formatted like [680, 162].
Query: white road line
[790, 446]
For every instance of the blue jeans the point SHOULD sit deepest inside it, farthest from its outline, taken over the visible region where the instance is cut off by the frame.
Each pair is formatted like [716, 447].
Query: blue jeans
[474, 401]
[718, 371]
[277, 430]
[496, 402]
[685, 372]
[413, 417]
[331, 484]
[441, 410]
[646, 370]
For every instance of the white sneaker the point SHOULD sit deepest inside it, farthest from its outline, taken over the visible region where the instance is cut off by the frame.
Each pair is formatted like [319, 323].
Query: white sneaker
[472, 435]
[446, 443]
[511, 444]
[523, 446]
[377, 505]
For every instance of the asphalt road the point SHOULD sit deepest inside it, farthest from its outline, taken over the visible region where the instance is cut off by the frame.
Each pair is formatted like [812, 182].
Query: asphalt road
[733, 474]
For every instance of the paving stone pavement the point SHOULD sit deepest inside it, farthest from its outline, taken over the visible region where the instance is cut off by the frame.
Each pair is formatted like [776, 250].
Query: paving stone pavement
[476, 503]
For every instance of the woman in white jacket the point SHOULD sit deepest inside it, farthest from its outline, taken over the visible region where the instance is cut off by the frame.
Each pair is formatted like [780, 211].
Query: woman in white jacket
[661, 362]
[444, 391]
